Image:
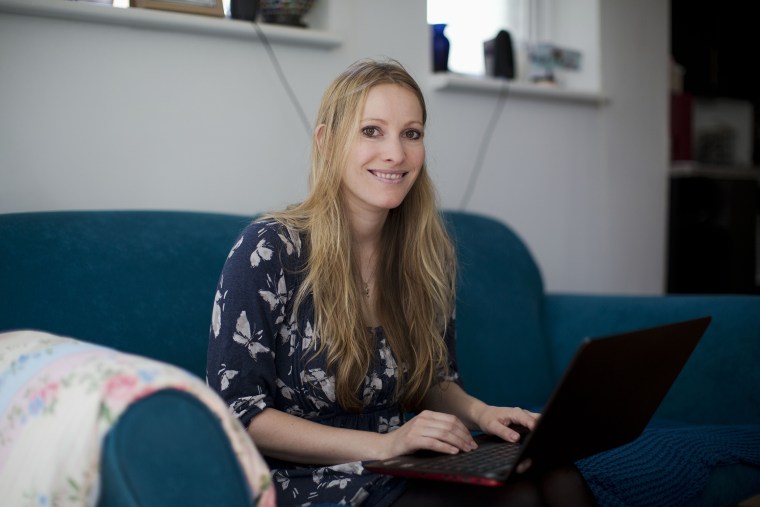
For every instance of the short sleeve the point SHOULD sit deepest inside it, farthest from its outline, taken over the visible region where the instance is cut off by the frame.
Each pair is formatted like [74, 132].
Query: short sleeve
[249, 309]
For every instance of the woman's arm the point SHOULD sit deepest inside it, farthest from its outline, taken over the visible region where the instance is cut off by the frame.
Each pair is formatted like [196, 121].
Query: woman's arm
[448, 397]
[444, 427]
[291, 438]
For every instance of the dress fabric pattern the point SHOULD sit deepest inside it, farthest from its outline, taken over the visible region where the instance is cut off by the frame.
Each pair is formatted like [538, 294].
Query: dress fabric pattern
[259, 356]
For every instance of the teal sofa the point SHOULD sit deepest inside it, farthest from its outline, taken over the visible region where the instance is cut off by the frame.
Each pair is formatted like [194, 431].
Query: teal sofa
[143, 282]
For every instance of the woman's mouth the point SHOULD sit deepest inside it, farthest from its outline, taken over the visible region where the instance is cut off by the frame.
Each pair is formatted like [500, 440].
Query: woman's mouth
[388, 176]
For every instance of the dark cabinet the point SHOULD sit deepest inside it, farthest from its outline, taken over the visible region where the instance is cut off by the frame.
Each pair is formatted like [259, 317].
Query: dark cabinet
[713, 232]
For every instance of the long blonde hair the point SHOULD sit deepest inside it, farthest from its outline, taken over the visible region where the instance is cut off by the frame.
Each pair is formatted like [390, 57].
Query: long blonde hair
[416, 270]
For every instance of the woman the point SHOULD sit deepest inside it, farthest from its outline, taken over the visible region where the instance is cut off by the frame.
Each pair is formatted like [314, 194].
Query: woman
[335, 317]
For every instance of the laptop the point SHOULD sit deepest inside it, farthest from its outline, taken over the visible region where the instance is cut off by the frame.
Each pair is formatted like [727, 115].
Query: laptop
[607, 396]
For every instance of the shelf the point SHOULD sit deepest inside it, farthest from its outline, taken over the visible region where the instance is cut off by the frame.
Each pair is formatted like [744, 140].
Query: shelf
[169, 21]
[462, 83]
[687, 169]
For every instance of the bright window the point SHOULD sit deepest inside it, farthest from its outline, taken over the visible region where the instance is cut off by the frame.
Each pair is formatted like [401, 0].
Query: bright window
[469, 24]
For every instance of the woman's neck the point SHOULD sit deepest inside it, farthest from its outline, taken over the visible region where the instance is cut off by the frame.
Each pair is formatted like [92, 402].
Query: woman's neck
[367, 229]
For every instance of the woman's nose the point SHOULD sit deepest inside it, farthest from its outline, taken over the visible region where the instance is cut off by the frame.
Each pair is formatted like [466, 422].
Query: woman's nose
[393, 151]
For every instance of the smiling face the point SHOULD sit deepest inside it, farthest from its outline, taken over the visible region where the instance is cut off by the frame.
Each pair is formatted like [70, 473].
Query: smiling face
[387, 153]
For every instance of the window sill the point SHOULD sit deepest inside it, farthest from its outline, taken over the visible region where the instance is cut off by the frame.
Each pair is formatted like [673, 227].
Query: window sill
[474, 84]
[169, 21]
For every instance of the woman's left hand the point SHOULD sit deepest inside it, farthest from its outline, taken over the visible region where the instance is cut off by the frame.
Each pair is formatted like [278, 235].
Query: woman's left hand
[496, 421]
[450, 398]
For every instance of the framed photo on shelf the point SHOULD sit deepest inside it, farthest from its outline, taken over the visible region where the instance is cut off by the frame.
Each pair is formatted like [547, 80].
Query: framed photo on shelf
[207, 7]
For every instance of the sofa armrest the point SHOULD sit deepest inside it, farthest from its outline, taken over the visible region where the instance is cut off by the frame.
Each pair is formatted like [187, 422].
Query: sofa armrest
[156, 426]
[719, 384]
[169, 449]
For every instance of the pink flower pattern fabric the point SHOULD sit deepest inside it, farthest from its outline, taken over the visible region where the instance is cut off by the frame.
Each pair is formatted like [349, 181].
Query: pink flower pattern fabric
[58, 399]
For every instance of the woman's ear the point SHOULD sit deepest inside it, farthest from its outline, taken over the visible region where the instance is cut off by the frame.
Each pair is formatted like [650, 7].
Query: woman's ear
[319, 135]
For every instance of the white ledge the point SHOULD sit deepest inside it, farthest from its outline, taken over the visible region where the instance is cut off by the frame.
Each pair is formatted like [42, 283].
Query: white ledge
[169, 21]
[462, 83]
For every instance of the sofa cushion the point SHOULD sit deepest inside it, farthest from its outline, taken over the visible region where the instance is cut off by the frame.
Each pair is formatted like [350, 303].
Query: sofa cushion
[502, 349]
[678, 465]
[139, 281]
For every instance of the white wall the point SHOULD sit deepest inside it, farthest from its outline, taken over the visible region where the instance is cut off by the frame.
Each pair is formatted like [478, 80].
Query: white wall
[95, 116]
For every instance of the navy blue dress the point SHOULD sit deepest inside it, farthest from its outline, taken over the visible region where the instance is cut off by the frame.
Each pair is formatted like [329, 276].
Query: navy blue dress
[259, 357]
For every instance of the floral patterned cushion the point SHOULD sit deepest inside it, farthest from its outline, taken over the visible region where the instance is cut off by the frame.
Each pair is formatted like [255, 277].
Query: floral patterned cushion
[58, 399]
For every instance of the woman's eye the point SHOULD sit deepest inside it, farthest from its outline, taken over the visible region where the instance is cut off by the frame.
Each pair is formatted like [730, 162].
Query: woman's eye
[370, 131]
[413, 134]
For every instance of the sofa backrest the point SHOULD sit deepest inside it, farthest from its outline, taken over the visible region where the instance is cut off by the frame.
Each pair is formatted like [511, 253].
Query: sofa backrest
[144, 281]
[139, 281]
[501, 344]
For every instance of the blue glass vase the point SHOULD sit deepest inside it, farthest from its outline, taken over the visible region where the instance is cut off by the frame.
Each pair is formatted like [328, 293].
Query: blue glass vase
[441, 48]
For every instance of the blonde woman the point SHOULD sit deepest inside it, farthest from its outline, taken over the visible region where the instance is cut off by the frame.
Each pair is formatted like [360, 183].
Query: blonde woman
[334, 318]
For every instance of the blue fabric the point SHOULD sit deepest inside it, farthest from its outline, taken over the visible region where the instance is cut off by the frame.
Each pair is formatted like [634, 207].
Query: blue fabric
[718, 385]
[669, 466]
[143, 281]
[138, 281]
[503, 354]
[168, 449]
[728, 484]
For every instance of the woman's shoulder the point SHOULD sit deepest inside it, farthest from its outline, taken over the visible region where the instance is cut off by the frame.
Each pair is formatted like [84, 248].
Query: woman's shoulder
[262, 226]
[267, 236]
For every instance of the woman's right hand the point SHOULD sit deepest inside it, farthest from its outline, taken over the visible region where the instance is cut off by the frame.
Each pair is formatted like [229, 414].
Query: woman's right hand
[433, 431]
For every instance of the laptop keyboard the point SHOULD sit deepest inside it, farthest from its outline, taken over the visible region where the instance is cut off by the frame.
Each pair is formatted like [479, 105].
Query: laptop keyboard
[486, 459]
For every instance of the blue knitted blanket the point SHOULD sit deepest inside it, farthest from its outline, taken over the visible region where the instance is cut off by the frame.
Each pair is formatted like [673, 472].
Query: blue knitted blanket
[669, 465]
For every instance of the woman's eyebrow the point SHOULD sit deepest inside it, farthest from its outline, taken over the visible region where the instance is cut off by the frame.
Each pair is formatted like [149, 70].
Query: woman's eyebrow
[380, 120]
[376, 120]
